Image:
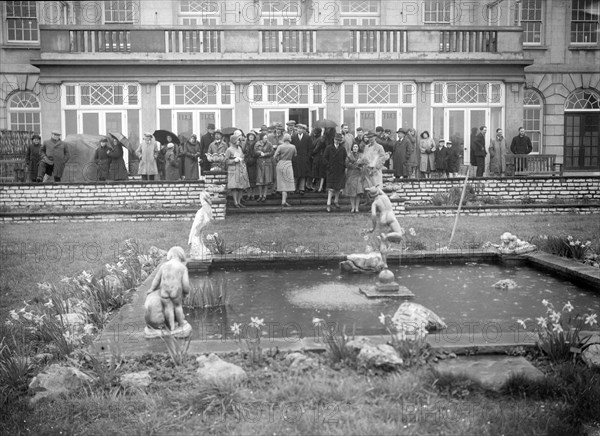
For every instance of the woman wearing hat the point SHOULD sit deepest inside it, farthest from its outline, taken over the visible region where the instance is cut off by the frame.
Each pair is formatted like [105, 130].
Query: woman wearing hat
[427, 148]
[285, 172]
[33, 156]
[190, 154]
[354, 183]
[264, 165]
[237, 175]
[250, 158]
[117, 169]
[335, 157]
[216, 152]
[147, 152]
[171, 163]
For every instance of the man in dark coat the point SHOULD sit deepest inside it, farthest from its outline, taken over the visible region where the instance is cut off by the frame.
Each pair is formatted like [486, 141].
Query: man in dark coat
[205, 142]
[521, 144]
[102, 159]
[33, 156]
[478, 151]
[301, 163]
[399, 154]
[54, 154]
[335, 159]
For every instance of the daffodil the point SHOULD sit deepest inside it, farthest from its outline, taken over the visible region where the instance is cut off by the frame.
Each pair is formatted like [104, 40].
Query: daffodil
[591, 319]
[557, 328]
[235, 329]
[317, 321]
[256, 322]
[568, 307]
[542, 322]
[555, 316]
[412, 232]
[382, 319]
[545, 302]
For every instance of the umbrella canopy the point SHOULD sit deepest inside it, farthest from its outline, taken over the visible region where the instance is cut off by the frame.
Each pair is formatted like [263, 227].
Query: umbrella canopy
[161, 136]
[229, 131]
[121, 138]
[325, 123]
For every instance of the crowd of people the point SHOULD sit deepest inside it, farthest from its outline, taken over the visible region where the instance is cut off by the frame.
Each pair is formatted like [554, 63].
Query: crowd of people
[277, 159]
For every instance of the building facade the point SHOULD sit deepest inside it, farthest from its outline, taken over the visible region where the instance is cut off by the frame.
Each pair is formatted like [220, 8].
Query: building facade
[445, 66]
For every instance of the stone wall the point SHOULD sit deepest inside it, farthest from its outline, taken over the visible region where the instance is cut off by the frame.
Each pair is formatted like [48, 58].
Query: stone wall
[505, 190]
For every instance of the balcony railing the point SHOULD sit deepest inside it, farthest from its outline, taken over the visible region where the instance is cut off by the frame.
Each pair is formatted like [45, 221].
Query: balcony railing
[193, 41]
[379, 41]
[288, 41]
[329, 42]
[466, 41]
[91, 41]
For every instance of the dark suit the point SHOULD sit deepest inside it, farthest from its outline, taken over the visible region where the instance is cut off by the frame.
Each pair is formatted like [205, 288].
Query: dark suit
[301, 163]
[479, 153]
[205, 141]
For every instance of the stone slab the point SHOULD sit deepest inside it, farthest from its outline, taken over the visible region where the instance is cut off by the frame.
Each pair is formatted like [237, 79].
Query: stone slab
[489, 371]
[373, 292]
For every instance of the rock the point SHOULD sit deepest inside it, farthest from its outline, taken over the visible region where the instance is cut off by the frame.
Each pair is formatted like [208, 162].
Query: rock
[505, 284]
[410, 315]
[363, 262]
[491, 372]
[213, 369]
[74, 322]
[358, 344]
[139, 380]
[42, 357]
[57, 380]
[591, 355]
[382, 355]
[299, 362]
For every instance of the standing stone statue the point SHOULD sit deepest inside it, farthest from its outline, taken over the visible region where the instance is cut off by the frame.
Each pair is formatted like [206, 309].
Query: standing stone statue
[203, 217]
[382, 211]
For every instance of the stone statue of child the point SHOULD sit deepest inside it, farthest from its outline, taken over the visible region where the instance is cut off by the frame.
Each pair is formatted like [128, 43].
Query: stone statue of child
[382, 211]
[164, 299]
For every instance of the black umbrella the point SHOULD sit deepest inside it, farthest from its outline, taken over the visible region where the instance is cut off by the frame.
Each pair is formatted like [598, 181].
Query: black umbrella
[121, 138]
[229, 131]
[161, 136]
[325, 123]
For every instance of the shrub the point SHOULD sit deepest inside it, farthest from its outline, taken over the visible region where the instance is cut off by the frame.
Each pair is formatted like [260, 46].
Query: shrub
[526, 199]
[410, 341]
[208, 296]
[452, 196]
[338, 350]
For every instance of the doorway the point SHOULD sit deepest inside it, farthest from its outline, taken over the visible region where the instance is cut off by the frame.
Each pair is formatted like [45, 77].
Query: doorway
[461, 126]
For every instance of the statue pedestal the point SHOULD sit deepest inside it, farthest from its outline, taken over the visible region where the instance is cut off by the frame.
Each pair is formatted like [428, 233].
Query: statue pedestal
[386, 287]
[180, 332]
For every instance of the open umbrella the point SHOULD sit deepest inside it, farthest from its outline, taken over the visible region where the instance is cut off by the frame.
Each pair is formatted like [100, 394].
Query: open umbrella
[229, 131]
[325, 123]
[161, 136]
[121, 138]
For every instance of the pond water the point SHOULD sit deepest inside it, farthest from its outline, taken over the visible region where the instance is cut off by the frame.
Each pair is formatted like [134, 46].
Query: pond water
[462, 294]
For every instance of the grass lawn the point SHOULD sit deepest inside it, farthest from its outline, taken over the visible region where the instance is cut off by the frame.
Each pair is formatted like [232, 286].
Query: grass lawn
[326, 398]
[36, 253]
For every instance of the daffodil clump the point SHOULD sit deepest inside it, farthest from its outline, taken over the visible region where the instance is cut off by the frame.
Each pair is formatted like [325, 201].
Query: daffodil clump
[252, 334]
[559, 331]
[409, 340]
[215, 243]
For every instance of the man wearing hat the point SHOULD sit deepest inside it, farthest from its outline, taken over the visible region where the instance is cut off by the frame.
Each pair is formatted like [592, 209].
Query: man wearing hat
[190, 156]
[54, 154]
[453, 159]
[374, 156]
[291, 127]
[348, 138]
[102, 159]
[335, 161]
[399, 154]
[301, 162]
[148, 152]
[205, 141]
[358, 139]
[33, 156]
[441, 159]
[216, 152]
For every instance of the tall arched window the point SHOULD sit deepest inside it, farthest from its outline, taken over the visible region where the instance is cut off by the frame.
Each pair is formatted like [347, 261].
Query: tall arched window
[24, 112]
[582, 130]
[533, 118]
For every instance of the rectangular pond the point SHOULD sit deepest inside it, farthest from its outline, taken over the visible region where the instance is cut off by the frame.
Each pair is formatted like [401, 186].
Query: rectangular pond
[462, 294]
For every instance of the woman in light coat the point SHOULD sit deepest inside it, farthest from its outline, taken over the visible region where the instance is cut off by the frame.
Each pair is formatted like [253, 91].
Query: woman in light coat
[147, 152]
[427, 148]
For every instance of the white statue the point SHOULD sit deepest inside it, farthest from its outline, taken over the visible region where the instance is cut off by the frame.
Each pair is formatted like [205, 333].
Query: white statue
[203, 217]
[510, 244]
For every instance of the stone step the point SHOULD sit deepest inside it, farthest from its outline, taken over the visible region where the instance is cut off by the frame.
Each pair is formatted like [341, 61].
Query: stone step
[295, 208]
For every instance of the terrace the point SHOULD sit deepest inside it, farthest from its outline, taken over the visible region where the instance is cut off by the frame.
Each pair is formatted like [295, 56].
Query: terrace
[384, 43]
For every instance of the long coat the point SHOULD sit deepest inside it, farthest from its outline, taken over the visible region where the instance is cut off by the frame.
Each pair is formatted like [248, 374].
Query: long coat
[171, 165]
[117, 169]
[335, 159]
[191, 153]
[56, 152]
[33, 159]
[304, 149]
[497, 155]
[319, 167]
[399, 157]
[454, 158]
[250, 157]
[147, 154]
[102, 161]
[441, 158]
[427, 148]
[205, 141]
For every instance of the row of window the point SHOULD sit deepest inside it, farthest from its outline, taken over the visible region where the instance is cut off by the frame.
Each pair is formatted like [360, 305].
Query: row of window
[22, 16]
